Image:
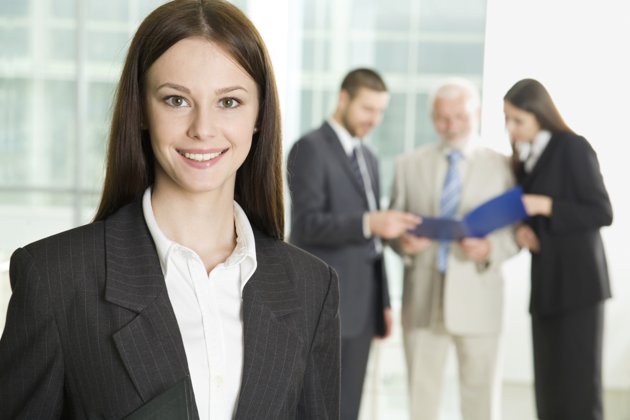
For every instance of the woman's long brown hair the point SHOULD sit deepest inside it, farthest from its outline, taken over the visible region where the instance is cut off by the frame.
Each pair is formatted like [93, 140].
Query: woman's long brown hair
[531, 96]
[130, 161]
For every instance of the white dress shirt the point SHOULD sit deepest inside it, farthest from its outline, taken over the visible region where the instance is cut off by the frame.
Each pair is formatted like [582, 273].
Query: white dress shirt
[208, 308]
[529, 153]
[538, 147]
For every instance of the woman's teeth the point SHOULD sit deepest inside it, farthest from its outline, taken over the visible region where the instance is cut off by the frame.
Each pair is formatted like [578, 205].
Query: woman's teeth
[201, 157]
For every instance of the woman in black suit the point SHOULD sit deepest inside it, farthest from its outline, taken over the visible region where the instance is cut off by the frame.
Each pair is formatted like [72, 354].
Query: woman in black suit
[567, 202]
[180, 301]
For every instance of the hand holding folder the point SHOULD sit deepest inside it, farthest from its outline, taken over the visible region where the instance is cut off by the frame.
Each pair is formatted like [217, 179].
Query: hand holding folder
[495, 213]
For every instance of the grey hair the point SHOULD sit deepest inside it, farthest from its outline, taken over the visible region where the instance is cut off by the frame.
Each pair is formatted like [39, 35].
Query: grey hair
[452, 88]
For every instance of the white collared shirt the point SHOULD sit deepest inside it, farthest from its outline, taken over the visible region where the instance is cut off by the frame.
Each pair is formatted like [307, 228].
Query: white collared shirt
[347, 141]
[538, 146]
[208, 308]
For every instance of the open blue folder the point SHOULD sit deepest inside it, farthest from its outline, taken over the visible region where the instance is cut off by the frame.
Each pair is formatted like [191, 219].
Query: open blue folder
[495, 213]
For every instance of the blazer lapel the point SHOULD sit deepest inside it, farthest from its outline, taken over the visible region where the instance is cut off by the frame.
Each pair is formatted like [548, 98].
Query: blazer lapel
[271, 336]
[150, 345]
[339, 154]
[437, 172]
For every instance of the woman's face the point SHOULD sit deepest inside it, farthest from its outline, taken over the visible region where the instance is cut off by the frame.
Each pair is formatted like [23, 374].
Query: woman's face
[522, 126]
[201, 109]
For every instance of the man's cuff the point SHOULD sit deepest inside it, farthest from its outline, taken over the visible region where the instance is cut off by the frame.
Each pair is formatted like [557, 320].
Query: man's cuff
[367, 233]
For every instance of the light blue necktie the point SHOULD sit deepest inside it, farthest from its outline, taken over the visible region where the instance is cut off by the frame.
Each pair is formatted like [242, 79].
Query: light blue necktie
[449, 202]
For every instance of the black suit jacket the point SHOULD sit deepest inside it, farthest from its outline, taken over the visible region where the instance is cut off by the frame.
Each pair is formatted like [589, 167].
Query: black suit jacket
[570, 269]
[327, 210]
[91, 334]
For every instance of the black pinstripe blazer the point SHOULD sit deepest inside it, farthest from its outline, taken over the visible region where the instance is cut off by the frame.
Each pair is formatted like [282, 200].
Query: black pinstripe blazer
[91, 334]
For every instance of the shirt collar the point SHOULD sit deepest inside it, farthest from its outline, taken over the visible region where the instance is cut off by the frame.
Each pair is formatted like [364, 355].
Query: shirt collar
[244, 252]
[540, 142]
[347, 141]
[467, 148]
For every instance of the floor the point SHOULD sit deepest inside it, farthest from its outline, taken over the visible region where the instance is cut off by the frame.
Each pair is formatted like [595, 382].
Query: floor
[385, 392]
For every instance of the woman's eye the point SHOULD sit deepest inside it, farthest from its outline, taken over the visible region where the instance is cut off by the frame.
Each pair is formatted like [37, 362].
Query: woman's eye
[176, 101]
[229, 103]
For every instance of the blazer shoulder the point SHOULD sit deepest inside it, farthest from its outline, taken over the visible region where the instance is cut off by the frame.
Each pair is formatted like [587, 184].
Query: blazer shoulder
[492, 156]
[296, 260]
[301, 259]
[316, 135]
[417, 156]
[74, 238]
[572, 141]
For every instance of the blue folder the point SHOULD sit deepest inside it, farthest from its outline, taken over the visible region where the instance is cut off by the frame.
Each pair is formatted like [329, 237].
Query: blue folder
[495, 213]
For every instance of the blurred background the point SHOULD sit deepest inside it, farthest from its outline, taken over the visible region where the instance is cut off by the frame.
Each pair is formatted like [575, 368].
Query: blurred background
[60, 61]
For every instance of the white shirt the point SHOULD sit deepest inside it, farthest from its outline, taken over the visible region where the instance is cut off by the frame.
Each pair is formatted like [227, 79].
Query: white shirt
[208, 308]
[538, 147]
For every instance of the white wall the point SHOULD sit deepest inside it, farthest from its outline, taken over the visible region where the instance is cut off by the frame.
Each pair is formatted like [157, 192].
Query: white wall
[579, 50]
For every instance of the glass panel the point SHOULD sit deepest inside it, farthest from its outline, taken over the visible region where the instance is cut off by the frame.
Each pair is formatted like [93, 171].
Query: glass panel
[15, 130]
[63, 8]
[313, 59]
[392, 56]
[58, 123]
[362, 53]
[107, 46]
[308, 54]
[453, 16]
[380, 15]
[61, 44]
[450, 58]
[306, 107]
[113, 10]
[14, 8]
[100, 99]
[425, 133]
[308, 14]
[15, 41]
[388, 139]
[312, 14]
[328, 105]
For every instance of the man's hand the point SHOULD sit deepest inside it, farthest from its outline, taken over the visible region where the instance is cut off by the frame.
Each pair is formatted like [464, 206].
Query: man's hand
[390, 224]
[413, 245]
[526, 238]
[476, 249]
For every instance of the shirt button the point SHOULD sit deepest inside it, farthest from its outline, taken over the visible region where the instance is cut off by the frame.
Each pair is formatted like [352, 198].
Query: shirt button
[218, 382]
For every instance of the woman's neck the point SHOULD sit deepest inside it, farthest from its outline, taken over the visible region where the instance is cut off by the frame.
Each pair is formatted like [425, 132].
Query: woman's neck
[202, 222]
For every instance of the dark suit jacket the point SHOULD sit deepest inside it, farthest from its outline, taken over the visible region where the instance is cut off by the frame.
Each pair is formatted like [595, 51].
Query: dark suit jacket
[570, 270]
[327, 220]
[91, 333]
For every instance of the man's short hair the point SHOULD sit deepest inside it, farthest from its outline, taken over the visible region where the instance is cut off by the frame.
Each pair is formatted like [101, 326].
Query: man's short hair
[362, 78]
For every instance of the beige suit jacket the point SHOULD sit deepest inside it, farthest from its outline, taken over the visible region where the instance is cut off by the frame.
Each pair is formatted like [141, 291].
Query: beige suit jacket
[473, 295]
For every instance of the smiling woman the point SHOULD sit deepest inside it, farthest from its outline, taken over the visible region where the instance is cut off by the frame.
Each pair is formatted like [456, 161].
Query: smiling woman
[181, 287]
[201, 127]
